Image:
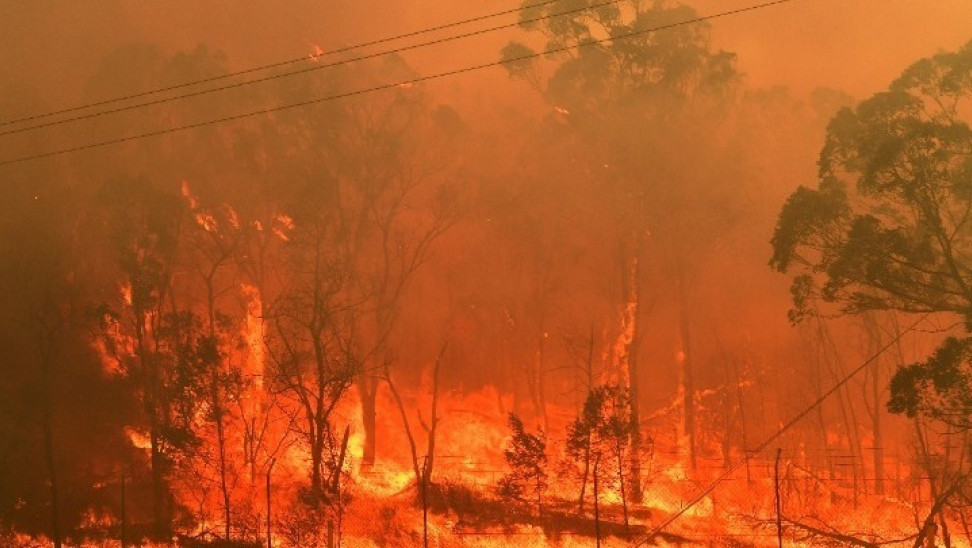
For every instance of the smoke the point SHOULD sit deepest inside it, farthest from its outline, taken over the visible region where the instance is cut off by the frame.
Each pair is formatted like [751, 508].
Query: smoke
[504, 216]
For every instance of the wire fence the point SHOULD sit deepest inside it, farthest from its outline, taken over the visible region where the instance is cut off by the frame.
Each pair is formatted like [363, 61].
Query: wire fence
[823, 498]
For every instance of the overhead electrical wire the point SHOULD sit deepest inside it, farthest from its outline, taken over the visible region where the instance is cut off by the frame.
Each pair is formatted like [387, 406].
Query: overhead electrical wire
[305, 70]
[277, 64]
[776, 435]
[401, 83]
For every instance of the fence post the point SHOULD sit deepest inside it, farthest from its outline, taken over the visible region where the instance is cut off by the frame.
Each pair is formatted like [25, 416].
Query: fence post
[779, 502]
[123, 517]
[425, 503]
[269, 533]
[597, 510]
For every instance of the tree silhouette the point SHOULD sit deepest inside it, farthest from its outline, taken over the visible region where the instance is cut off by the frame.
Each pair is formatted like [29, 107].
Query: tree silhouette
[527, 459]
[631, 105]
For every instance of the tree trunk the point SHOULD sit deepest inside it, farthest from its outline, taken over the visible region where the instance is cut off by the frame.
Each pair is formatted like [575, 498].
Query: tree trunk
[627, 351]
[317, 464]
[635, 491]
[686, 371]
[221, 447]
[541, 393]
[51, 468]
[160, 503]
[624, 500]
[584, 479]
[47, 344]
[368, 389]
[217, 402]
[877, 432]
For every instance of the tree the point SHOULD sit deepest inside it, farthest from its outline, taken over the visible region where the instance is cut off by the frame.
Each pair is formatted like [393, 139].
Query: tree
[888, 229]
[939, 388]
[421, 467]
[312, 336]
[394, 206]
[667, 88]
[888, 226]
[602, 433]
[56, 396]
[141, 223]
[527, 459]
[211, 238]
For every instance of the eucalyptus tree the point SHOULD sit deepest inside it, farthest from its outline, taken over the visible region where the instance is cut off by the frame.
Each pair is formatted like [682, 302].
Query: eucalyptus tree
[598, 440]
[888, 225]
[527, 459]
[312, 330]
[141, 225]
[640, 107]
[393, 162]
[887, 228]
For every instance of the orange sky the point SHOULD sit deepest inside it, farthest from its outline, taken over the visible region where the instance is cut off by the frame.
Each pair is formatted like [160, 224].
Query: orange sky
[854, 45]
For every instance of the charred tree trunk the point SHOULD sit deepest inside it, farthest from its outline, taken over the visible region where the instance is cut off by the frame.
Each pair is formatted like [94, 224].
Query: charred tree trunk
[416, 468]
[541, 396]
[627, 352]
[635, 491]
[320, 415]
[844, 400]
[52, 476]
[368, 388]
[422, 471]
[587, 447]
[334, 482]
[217, 402]
[624, 501]
[221, 448]
[877, 431]
[743, 424]
[584, 478]
[597, 506]
[928, 530]
[686, 370]
[317, 464]
[48, 431]
[433, 421]
[160, 495]
[154, 412]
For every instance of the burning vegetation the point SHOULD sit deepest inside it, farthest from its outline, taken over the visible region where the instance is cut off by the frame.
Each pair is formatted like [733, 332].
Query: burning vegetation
[336, 303]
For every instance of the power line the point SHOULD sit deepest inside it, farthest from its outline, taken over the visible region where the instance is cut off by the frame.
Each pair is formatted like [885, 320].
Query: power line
[775, 436]
[401, 83]
[304, 70]
[278, 64]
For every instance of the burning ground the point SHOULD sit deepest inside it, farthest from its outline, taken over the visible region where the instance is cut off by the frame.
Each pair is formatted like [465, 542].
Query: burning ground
[382, 298]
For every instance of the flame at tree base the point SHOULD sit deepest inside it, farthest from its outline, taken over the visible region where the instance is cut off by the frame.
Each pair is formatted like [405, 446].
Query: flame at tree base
[383, 505]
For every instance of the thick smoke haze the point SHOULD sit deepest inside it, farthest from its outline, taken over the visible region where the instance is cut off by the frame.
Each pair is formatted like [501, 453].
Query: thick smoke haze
[854, 46]
[530, 300]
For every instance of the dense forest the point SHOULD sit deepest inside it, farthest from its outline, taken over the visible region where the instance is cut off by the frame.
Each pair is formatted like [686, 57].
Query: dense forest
[335, 302]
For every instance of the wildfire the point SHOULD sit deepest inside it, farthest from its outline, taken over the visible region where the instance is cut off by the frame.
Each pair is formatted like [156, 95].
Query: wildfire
[188, 196]
[125, 290]
[138, 439]
[282, 224]
[253, 331]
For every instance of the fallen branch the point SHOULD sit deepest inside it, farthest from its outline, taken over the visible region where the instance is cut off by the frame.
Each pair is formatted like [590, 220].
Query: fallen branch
[933, 512]
[834, 535]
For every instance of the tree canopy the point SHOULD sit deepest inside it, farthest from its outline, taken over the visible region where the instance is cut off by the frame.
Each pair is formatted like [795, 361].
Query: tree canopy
[888, 227]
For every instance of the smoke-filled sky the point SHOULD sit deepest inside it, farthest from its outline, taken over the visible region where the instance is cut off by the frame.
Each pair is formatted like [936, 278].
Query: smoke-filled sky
[640, 223]
[854, 45]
